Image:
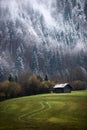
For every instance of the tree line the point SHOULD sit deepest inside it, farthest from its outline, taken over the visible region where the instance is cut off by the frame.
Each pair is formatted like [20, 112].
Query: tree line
[24, 86]
[32, 84]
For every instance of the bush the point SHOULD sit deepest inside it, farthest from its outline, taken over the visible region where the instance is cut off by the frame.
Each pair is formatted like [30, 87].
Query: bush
[78, 85]
[34, 84]
[46, 86]
[28, 86]
[14, 89]
[4, 88]
[10, 89]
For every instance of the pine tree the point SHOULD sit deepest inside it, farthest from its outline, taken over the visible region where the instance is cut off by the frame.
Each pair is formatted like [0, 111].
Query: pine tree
[46, 78]
[19, 66]
[11, 78]
[35, 65]
[16, 78]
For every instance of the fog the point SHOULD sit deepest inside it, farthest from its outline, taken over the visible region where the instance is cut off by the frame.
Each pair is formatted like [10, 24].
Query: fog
[17, 7]
[53, 20]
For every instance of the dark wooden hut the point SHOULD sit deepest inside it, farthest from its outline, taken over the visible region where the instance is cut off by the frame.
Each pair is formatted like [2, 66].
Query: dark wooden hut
[62, 88]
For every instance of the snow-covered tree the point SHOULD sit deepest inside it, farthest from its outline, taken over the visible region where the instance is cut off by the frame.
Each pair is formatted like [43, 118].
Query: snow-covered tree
[19, 63]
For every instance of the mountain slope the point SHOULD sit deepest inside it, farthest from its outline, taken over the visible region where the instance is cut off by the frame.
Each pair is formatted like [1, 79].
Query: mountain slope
[43, 37]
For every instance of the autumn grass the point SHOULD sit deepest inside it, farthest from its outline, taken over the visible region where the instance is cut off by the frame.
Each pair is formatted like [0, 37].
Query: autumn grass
[45, 112]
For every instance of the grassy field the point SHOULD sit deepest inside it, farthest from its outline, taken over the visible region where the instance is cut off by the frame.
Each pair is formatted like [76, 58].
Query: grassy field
[45, 112]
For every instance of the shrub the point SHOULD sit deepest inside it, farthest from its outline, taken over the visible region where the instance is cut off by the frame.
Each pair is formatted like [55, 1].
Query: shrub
[14, 89]
[78, 85]
[10, 89]
[34, 84]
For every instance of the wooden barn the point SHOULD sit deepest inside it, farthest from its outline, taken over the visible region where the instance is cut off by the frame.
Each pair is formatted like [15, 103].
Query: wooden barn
[62, 88]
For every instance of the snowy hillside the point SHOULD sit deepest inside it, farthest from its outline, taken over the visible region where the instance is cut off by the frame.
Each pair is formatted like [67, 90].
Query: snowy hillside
[45, 37]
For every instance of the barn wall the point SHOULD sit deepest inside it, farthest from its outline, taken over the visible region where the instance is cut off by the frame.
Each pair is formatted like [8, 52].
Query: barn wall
[67, 89]
[59, 90]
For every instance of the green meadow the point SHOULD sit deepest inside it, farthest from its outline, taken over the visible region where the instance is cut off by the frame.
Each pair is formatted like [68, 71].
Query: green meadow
[45, 112]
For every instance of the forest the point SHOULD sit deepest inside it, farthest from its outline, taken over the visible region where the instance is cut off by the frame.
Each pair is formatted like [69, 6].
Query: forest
[33, 84]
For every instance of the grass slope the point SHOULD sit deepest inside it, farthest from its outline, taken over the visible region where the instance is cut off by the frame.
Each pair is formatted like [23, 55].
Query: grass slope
[45, 112]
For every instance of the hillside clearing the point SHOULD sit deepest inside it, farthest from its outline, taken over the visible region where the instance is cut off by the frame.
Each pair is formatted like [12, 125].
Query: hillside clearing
[66, 111]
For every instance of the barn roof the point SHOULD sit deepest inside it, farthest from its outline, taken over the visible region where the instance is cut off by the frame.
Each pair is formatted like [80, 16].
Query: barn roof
[60, 85]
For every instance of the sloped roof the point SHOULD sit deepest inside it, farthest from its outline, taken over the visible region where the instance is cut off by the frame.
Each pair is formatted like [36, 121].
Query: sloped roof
[60, 85]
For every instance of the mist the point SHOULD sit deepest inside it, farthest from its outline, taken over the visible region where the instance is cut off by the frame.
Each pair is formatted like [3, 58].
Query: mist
[36, 13]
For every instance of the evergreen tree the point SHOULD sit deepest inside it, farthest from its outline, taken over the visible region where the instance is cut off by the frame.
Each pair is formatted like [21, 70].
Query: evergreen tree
[10, 78]
[19, 66]
[16, 78]
[35, 64]
[46, 78]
